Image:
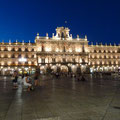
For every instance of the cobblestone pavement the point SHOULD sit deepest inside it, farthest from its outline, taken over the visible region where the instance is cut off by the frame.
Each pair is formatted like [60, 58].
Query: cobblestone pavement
[62, 99]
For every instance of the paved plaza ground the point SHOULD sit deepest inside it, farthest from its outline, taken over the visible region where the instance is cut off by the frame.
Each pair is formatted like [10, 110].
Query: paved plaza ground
[62, 99]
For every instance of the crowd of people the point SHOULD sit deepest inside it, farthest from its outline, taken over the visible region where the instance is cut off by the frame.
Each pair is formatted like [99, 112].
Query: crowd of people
[79, 77]
[31, 82]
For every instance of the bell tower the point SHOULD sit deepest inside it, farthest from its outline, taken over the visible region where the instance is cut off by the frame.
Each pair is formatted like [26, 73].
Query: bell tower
[62, 33]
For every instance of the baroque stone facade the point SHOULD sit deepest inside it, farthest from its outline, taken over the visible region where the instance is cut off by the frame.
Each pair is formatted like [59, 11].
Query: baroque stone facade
[62, 52]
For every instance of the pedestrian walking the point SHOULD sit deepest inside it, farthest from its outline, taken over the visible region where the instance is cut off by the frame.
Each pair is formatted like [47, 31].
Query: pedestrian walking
[15, 80]
[36, 77]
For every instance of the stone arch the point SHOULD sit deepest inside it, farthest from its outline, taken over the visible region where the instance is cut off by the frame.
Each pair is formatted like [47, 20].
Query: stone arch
[4, 71]
[74, 68]
[78, 71]
[64, 69]
[43, 69]
[83, 68]
[54, 68]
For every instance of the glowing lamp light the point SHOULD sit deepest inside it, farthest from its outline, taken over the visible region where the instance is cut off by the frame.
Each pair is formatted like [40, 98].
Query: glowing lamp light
[70, 50]
[22, 60]
[57, 50]
[78, 50]
[48, 49]
[39, 49]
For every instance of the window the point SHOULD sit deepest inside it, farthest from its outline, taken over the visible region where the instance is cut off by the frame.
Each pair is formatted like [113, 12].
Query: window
[5, 49]
[13, 49]
[53, 59]
[13, 56]
[26, 49]
[19, 49]
[43, 60]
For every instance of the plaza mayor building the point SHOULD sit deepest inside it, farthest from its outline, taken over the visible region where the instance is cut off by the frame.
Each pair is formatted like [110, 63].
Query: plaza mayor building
[61, 51]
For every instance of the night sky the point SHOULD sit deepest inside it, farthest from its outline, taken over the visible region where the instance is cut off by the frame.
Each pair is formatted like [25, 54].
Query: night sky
[98, 19]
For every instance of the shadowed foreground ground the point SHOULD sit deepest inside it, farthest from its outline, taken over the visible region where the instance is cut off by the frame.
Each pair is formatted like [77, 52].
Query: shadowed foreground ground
[62, 99]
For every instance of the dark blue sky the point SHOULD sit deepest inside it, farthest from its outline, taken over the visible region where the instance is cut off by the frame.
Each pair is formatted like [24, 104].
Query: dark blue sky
[22, 19]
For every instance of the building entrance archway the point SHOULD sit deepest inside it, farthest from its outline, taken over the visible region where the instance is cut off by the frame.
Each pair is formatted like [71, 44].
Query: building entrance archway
[64, 69]
[74, 68]
[54, 68]
[43, 69]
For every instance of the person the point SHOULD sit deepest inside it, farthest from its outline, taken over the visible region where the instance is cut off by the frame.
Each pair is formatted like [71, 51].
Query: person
[78, 79]
[82, 78]
[57, 74]
[36, 78]
[15, 80]
[26, 82]
[22, 76]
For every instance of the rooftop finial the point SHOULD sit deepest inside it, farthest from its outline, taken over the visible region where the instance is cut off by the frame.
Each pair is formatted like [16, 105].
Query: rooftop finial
[77, 37]
[53, 35]
[86, 37]
[9, 41]
[2, 41]
[46, 35]
[37, 34]
[16, 41]
[23, 42]
[29, 42]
